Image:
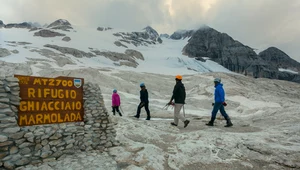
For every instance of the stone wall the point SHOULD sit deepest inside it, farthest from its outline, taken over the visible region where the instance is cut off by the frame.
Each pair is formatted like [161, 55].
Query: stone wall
[41, 143]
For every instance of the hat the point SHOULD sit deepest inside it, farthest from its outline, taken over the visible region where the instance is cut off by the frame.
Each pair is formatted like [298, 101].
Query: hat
[178, 77]
[115, 90]
[218, 80]
[142, 85]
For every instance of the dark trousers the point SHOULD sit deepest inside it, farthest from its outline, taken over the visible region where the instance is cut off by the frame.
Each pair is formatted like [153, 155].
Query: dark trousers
[116, 108]
[141, 105]
[217, 107]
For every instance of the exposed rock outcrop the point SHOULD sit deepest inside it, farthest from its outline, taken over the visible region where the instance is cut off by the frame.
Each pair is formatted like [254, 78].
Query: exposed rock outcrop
[61, 59]
[47, 33]
[2, 24]
[60, 24]
[34, 29]
[119, 44]
[146, 37]
[182, 34]
[103, 28]
[164, 36]
[67, 39]
[128, 58]
[4, 52]
[72, 51]
[233, 55]
[20, 25]
[279, 59]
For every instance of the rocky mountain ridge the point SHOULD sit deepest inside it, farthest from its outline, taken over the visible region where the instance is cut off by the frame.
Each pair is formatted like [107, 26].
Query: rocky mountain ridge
[239, 58]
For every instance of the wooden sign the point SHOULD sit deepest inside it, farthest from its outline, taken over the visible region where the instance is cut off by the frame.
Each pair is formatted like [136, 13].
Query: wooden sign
[50, 100]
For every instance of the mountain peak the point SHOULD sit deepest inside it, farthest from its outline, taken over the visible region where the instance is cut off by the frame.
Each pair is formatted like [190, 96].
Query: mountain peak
[59, 22]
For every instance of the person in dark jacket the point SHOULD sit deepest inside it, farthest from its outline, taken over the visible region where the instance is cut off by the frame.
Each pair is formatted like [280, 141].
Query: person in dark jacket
[219, 104]
[179, 100]
[144, 102]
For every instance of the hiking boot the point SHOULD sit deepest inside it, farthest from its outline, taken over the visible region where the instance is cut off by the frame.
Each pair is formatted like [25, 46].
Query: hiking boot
[210, 123]
[136, 116]
[229, 123]
[173, 124]
[186, 123]
[120, 114]
[148, 118]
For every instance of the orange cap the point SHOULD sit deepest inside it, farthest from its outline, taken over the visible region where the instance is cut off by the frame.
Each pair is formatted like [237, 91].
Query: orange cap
[179, 77]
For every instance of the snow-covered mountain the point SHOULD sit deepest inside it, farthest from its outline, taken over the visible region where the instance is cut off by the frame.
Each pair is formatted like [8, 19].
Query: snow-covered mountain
[64, 45]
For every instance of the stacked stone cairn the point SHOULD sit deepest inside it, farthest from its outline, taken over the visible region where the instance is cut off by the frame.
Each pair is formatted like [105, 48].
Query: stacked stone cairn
[43, 143]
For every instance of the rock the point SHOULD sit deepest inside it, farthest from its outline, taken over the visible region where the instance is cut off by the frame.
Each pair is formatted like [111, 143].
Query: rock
[13, 150]
[22, 161]
[11, 130]
[57, 154]
[67, 39]
[46, 154]
[6, 143]
[164, 35]
[9, 165]
[103, 28]
[34, 29]
[28, 135]
[108, 144]
[38, 147]
[25, 151]
[182, 34]
[134, 53]
[20, 25]
[49, 160]
[4, 52]
[56, 136]
[280, 60]
[59, 22]
[25, 144]
[3, 138]
[69, 146]
[47, 33]
[119, 44]
[44, 142]
[71, 51]
[3, 155]
[15, 51]
[1, 25]
[54, 142]
[70, 141]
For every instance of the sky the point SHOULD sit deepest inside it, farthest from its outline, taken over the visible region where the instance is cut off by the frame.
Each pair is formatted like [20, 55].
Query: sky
[256, 23]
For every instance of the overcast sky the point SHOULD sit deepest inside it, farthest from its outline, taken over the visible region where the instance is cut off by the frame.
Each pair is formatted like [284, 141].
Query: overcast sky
[256, 23]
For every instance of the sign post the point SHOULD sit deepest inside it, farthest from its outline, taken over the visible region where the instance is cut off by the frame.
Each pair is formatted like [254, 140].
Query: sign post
[50, 100]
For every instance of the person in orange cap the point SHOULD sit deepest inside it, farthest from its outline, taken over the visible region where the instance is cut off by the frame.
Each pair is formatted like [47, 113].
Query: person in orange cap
[179, 100]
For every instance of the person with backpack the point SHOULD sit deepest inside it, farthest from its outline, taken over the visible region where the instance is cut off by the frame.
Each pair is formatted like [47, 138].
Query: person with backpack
[219, 104]
[116, 102]
[179, 100]
[144, 102]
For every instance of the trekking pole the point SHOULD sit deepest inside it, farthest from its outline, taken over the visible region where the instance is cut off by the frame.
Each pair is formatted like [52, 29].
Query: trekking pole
[122, 109]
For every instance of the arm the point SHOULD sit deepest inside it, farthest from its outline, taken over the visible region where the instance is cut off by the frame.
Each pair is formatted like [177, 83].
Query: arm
[174, 93]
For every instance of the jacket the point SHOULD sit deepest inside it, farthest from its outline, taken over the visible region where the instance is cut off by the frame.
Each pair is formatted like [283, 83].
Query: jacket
[115, 99]
[179, 93]
[219, 93]
[144, 96]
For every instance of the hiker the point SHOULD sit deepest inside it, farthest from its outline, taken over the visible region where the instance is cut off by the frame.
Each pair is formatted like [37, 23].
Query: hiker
[144, 102]
[219, 104]
[179, 100]
[116, 102]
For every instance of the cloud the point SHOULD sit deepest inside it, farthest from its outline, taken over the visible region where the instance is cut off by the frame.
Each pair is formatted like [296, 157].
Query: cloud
[256, 23]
